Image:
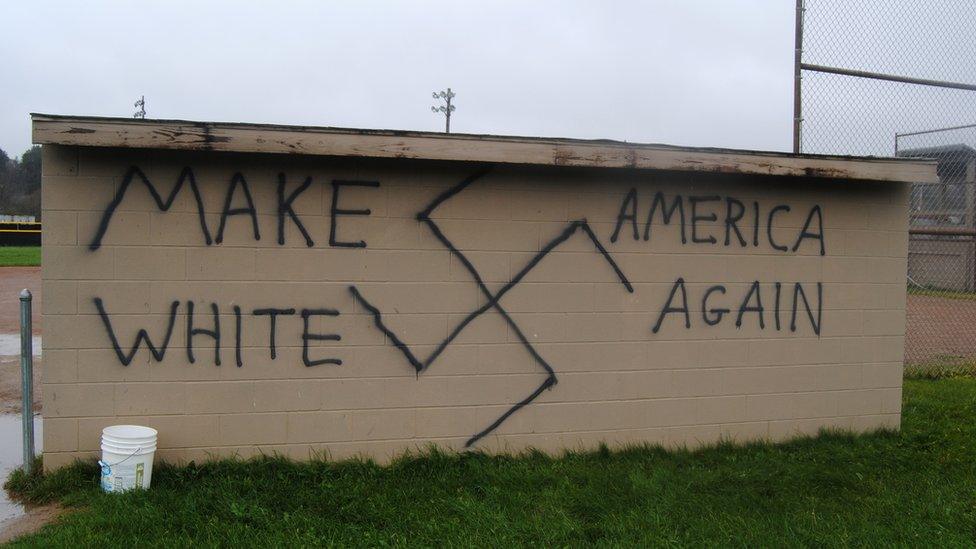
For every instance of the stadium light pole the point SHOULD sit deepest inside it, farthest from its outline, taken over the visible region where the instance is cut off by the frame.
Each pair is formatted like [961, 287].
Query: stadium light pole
[447, 108]
[141, 103]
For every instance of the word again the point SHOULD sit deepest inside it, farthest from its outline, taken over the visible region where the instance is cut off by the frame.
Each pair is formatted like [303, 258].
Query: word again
[750, 305]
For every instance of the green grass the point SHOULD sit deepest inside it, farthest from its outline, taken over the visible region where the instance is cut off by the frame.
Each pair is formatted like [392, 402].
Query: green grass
[20, 256]
[917, 487]
[932, 291]
[942, 366]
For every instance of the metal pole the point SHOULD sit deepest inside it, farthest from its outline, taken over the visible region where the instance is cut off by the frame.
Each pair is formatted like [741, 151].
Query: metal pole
[937, 130]
[797, 78]
[925, 132]
[889, 77]
[448, 129]
[942, 231]
[446, 108]
[27, 379]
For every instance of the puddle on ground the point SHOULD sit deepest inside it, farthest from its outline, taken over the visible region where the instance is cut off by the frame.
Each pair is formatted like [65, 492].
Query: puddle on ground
[10, 345]
[12, 457]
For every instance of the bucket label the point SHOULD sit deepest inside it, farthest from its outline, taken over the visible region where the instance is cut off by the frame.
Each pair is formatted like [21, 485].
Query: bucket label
[129, 473]
[106, 478]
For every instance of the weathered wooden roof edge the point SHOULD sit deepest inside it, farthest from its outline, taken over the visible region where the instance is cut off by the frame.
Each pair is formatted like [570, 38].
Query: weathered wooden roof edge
[327, 141]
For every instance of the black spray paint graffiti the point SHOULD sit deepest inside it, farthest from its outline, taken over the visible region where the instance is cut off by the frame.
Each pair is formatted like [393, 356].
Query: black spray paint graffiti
[735, 213]
[285, 209]
[158, 352]
[493, 299]
[751, 303]
[676, 303]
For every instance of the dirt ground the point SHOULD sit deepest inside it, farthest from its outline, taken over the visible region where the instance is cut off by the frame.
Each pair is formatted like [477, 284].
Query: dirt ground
[12, 281]
[30, 522]
[940, 330]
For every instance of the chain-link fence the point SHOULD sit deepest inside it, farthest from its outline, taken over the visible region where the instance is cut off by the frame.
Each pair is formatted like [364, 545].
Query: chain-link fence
[895, 78]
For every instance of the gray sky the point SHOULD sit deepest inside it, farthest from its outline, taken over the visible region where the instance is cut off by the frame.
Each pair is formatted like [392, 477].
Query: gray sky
[687, 72]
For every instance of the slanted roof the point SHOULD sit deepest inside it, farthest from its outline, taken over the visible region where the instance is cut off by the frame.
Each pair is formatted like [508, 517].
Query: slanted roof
[543, 151]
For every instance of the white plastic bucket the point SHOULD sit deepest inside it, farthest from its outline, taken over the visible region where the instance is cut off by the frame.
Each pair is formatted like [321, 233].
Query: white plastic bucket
[127, 457]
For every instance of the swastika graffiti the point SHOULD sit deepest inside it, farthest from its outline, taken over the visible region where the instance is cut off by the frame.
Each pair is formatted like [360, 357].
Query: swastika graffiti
[493, 298]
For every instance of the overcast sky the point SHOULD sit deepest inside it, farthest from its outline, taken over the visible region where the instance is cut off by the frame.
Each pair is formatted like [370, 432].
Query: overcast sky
[686, 72]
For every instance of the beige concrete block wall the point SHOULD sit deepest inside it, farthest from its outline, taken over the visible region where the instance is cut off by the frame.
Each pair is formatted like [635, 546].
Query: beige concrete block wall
[617, 381]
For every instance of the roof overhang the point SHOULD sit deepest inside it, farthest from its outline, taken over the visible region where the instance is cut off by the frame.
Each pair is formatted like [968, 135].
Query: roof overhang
[540, 151]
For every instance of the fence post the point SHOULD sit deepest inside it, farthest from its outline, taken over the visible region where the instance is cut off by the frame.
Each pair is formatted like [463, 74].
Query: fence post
[797, 79]
[27, 379]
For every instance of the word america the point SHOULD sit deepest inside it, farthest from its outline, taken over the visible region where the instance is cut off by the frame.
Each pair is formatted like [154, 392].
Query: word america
[741, 223]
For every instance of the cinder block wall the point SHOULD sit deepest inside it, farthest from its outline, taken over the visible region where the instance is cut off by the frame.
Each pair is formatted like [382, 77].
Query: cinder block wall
[427, 354]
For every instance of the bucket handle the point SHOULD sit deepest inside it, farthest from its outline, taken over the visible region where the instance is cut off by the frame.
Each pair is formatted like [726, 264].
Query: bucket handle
[103, 464]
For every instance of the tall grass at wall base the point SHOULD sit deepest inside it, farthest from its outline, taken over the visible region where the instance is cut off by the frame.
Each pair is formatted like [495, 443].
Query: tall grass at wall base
[913, 487]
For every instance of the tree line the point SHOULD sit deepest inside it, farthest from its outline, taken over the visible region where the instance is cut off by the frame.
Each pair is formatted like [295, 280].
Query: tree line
[20, 183]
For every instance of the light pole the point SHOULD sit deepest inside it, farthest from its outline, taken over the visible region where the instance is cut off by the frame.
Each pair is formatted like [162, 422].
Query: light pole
[447, 108]
[141, 103]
